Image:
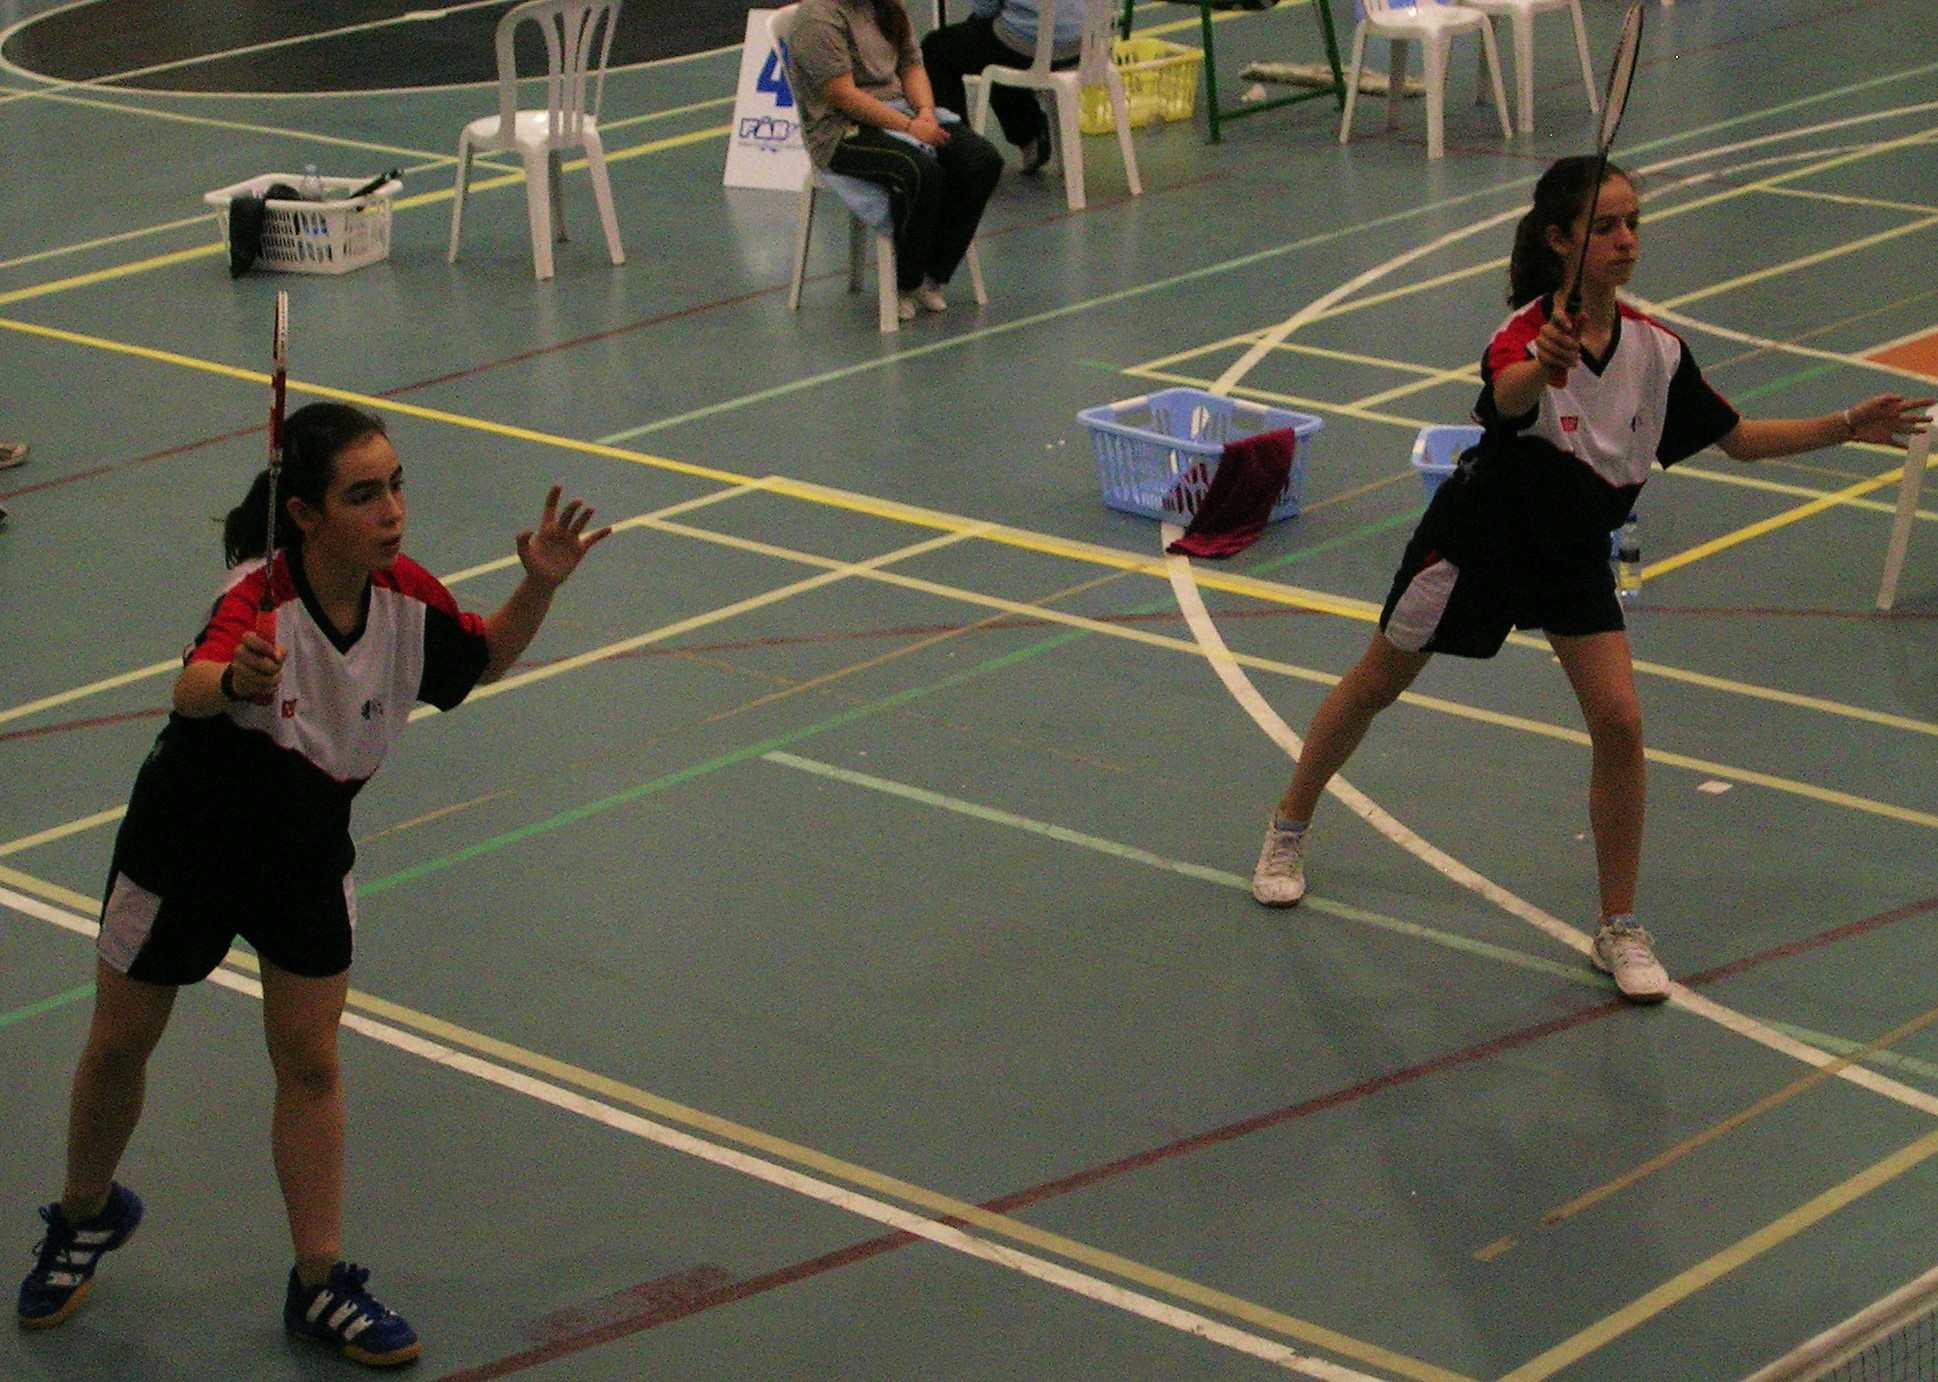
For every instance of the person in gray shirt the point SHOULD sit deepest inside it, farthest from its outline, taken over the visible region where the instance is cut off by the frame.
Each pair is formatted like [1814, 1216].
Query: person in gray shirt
[868, 111]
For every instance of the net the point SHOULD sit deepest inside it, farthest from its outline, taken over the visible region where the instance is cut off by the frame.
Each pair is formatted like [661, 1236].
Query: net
[1894, 1340]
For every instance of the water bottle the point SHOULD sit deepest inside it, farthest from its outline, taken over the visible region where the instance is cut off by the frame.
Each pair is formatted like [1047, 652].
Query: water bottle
[1628, 561]
[312, 185]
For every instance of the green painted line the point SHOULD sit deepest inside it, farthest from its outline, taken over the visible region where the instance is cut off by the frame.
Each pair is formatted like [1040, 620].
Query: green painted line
[1779, 385]
[59, 1000]
[1333, 544]
[699, 770]
[1576, 974]
[1221, 877]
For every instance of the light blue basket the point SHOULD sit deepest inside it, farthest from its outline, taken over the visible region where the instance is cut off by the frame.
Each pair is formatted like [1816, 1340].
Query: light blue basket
[1436, 450]
[1156, 454]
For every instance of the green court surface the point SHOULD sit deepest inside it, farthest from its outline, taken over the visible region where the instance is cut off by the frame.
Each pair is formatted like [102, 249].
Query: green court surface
[829, 955]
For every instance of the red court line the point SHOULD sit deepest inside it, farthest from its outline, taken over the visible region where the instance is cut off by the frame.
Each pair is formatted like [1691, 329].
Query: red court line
[1018, 1199]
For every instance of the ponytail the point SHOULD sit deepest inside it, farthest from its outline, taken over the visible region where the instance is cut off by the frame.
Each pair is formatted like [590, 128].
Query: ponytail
[313, 437]
[1561, 196]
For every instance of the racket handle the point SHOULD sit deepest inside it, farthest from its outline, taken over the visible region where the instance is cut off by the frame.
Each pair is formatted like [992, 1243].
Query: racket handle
[266, 624]
[1557, 378]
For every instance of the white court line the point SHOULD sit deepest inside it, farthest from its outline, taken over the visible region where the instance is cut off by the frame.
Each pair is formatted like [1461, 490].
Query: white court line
[1191, 603]
[781, 1177]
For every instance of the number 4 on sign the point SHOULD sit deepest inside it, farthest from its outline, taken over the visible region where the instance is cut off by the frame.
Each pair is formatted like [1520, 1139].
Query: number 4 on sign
[773, 78]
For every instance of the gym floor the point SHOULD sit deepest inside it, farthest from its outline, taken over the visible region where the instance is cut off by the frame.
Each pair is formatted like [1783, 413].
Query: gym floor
[829, 956]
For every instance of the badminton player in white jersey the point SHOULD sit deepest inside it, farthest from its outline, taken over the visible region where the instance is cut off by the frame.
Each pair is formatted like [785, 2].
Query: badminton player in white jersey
[1518, 536]
[239, 825]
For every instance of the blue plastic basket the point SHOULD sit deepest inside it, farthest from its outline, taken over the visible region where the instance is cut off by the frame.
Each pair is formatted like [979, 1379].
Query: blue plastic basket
[1436, 449]
[1156, 454]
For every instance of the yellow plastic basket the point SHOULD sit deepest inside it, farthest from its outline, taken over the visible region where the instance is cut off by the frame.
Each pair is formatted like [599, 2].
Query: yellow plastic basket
[1160, 83]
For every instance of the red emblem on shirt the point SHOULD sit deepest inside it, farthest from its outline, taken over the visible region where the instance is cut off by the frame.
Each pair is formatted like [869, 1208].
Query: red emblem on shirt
[289, 709]
[1570, 422]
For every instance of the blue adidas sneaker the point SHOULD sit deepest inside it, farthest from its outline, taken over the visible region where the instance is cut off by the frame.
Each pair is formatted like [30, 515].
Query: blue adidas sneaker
[66, 1257]
[342, 1315]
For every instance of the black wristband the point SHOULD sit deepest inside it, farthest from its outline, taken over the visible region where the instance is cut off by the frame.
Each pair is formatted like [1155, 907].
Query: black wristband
[228, 684]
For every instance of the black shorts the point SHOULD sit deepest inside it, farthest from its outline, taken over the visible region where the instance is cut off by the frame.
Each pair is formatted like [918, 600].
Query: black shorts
[180, 939]
[1436, 606]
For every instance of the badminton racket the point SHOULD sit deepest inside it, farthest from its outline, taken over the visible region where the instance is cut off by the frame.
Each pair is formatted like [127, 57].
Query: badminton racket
[1621, 76]
[278, 394]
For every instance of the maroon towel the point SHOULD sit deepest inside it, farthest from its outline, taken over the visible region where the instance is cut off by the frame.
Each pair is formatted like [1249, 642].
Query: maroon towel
[1250, 478]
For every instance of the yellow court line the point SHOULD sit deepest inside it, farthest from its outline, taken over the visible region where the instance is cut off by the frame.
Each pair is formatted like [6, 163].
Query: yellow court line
[1720, 477]
[1771, 1101]
[921, 1197]
[1686, 1284]
[1845, 199]
[1771, 524]
[163, 261]
[61, 832]
[1789, 266]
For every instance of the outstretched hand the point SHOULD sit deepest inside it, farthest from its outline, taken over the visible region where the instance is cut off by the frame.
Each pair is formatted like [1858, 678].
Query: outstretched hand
[551, 552]
[1889, 419]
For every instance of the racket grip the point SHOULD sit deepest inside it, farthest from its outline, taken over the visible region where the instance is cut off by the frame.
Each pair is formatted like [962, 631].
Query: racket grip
[266, 624]
[1557, 378]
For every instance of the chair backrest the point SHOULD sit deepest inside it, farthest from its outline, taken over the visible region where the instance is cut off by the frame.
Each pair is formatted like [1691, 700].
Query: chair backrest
[1377, 8]
[578, 38]
[781, 24]
[1100, 18]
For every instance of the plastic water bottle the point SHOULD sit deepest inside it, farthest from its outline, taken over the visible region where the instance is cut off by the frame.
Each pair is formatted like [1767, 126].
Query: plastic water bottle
[312, 184]
[1628, 561]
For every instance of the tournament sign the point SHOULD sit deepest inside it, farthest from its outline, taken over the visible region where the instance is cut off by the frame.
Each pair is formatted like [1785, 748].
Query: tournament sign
[765, 149]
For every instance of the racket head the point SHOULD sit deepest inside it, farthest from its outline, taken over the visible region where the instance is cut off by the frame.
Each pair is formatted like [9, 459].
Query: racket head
[1621, 76]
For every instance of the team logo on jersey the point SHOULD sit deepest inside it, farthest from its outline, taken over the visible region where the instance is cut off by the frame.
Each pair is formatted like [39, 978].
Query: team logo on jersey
[289, 708]
[372, 708]
[1570, 423]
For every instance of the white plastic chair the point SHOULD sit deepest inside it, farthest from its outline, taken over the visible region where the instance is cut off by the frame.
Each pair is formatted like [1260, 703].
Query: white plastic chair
[1432, 25]
[578, 36]
[1520, 13]
[870, 215]
[1096, 66]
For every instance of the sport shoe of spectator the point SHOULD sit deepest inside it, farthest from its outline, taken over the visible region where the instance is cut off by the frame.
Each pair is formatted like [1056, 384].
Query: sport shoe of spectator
[929, 297]
[1627, 952]
[340, 1314]
[12, 453]
[905, 307]
[1279, 879]
[65, 1259]
[1036, 153]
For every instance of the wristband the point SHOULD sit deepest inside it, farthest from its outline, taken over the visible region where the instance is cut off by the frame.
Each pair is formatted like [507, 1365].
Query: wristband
[228, 684]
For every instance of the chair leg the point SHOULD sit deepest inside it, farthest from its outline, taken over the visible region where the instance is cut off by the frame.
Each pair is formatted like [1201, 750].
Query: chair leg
[1523, 70]
[1071, 138]
[1433, 57]
[555, 189]
[859, 234]
[1587, 64]
[457, 198]
[538, 209]
[1121, 106]
[887, 297]
[1352, 82]
[974, 261]
[803, 223]
[1396, 77]
[977, 88]
[595, 167]
[1492, 53]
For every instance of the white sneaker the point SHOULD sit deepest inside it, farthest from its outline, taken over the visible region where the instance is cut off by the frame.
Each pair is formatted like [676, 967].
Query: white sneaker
[905, 307]
[1279, 879]
[1626, 951]
[929, 297]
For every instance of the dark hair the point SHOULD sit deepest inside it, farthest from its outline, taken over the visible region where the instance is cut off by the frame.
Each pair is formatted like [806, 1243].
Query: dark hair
[891, 17]
[313, 437]
[1560, 197]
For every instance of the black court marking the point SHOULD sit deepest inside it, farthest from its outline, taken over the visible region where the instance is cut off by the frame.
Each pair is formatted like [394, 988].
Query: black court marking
[89, 42]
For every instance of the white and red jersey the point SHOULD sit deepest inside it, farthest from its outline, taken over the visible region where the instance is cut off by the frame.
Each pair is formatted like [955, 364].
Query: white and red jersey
[259, 796]
[343, 703]
[1642, 402]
